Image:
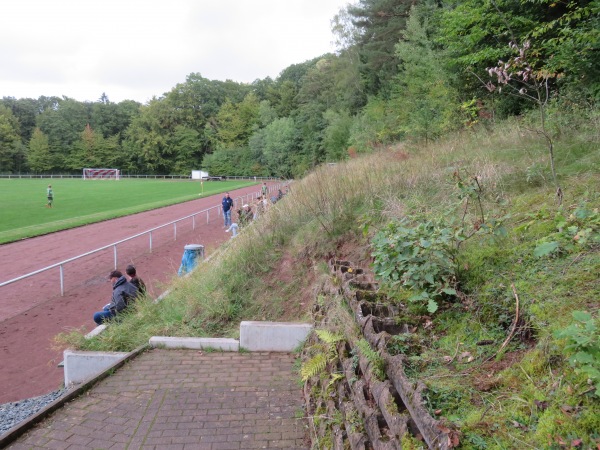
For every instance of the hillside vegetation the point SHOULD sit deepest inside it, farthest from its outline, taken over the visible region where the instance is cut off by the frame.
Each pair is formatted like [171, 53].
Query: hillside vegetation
[497, 278]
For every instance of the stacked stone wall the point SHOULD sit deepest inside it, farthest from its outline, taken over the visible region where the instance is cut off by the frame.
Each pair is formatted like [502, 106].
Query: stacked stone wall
[368, 409]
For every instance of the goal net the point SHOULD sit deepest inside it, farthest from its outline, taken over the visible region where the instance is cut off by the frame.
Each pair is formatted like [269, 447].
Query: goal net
[101, 174]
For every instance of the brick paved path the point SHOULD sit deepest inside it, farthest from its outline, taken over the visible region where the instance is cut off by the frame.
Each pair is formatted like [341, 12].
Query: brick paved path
[183, 399]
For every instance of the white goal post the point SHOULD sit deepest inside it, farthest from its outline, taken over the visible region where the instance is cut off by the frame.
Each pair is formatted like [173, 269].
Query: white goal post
[101, 174]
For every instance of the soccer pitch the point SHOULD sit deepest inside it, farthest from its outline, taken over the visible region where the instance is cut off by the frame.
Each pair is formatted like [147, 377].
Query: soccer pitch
[23, 211]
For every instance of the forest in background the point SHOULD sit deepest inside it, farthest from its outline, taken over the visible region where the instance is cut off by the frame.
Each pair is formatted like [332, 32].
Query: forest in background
[404, 70]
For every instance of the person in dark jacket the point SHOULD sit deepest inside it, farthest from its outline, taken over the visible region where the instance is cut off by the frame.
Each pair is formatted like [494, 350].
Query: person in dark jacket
[123, 291]
[227, 204]
[135, 280]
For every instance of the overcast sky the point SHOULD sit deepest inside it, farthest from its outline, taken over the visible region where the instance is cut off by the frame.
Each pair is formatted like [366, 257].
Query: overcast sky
[135, 49]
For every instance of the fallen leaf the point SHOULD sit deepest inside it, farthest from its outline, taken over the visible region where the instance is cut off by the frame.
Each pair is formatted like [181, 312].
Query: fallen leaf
[455, 441]
[518, 425]
[542, 405]
[437, 412]
[576, 442]
[567, 409]
[447, 358]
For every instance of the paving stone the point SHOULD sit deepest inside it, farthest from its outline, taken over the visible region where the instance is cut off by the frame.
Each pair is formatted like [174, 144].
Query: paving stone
[183, 399]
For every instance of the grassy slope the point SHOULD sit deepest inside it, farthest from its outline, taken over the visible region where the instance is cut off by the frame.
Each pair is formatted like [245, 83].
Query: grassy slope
[525, 396]
[78, 202]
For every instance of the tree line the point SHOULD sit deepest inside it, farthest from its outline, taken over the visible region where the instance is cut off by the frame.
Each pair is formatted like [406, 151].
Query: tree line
[403, 70]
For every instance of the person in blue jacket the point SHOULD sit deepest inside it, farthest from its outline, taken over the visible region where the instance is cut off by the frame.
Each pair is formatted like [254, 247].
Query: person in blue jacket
[123, 292]
[227, 203]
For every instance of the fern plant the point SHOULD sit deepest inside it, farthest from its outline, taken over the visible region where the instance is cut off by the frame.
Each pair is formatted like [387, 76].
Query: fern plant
[325, 352]
[376, 361]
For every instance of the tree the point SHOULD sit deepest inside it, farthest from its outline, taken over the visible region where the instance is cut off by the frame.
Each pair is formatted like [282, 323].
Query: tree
[346, 66]
[63, 124]
[39, 157]
[25, 111]
[230, 161]
[148, 135]
[337, 135]
[89, 151]
[285, 98]
[380, 23]
[110, 119]
[263, 88]
[316, 95]
[520, 79]
[266, 113]
[236, 122]
[196, 103]
[567, 40]
[9, 138]
[423, 96]
[376, 125]
[279, 144]
[184, 142]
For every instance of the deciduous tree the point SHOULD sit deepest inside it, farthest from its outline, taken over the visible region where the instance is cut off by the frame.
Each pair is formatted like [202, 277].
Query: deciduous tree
[9, 138]
[39, 158]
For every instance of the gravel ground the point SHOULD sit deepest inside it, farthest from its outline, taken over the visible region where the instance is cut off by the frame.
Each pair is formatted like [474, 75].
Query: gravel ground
[12, 414]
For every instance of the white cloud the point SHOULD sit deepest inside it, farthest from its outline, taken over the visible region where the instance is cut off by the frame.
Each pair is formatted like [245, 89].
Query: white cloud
[136, 49]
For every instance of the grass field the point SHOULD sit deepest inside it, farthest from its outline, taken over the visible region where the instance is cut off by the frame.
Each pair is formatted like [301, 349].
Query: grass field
[23, 211]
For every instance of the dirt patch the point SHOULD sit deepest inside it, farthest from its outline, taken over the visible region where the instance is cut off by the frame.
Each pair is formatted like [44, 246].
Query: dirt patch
[486, 377]
[298, 278]
[351, 249]
[292, 279]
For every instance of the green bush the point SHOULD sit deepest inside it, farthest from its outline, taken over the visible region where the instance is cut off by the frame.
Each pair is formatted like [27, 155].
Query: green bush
[421, 258]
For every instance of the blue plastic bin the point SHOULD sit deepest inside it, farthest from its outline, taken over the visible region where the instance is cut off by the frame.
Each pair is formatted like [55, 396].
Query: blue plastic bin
[192, 253]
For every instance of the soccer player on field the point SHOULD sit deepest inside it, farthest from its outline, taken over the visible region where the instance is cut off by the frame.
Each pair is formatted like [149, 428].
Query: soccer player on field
[50, 196]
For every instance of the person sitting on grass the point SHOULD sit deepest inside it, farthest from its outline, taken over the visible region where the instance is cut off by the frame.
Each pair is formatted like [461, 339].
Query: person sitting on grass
[123, 292]
[245, 215]
[135, 280]
[259, 208]
[233, 228]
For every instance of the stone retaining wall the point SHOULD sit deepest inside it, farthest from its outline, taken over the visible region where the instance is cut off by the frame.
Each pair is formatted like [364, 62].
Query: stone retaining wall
[369, 408]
